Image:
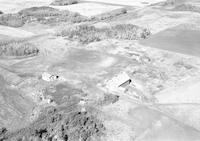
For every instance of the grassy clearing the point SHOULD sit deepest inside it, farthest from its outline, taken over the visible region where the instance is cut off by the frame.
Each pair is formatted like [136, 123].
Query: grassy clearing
[64, 2]
[86, 34]
[17, 48]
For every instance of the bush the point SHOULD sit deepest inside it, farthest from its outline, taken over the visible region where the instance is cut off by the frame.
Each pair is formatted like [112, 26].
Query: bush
[173, 2]
[110, 14]
[18, 49]
[128, 32]
[64, 2]
[72, 17]
[13, 20]
[86, 33]
[3, 132]
[43, 14]
[48, 15]
[182, 64]
[187, 7]
[1, 12]
[83, 33]
[43, 11]
[38, 14]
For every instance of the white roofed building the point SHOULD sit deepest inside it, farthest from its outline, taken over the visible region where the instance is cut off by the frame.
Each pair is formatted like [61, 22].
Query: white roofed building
[119, 82]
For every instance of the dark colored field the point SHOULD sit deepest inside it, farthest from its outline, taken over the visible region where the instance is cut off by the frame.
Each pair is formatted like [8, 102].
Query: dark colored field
[176, 40]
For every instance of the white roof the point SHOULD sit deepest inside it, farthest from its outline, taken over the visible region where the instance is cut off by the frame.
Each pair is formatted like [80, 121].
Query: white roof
[116, 81]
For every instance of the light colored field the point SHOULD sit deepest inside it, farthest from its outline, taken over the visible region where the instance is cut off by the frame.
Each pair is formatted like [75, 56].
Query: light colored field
[14, 32]
[158, 20]
[187, 113]
[12, 6]
[167, 129]
[88, 9]
[187, 93]
[139, 3]
[107, 62]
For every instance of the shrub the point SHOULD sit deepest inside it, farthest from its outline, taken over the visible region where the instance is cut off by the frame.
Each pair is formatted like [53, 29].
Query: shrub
[86, 33]
[1, 12]
[43, 11]
[187, 7]
[72, 17]
[182, 64]
[38, 14]
[18, 49]
[83, 33]
[48, 15]
[64, 2]
[110, 14]
[170, 2]
[13, 20]
[3, 132]
[43, 14]
[78, 19]
[128, 32]
[173, 2]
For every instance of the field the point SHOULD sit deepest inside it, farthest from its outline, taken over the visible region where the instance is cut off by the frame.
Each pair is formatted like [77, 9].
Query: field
[136, 3]
[15, 5]
[13, 32]
[182, 41]
[89, 10]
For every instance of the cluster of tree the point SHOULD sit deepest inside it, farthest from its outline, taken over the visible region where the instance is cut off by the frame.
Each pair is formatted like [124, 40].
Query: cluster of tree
[18, 49]
[87, 33]
[64, 2]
